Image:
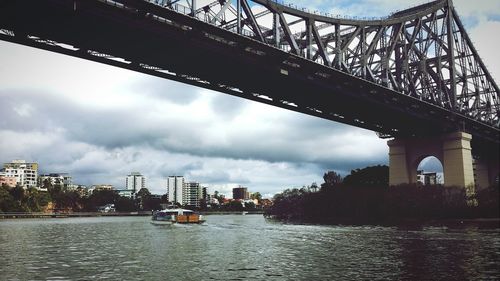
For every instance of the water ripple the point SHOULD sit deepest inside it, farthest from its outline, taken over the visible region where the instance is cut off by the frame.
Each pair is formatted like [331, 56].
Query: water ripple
[241, 248]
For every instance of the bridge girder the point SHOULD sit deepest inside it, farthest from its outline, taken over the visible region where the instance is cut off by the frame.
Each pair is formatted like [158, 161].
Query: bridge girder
[405, 63]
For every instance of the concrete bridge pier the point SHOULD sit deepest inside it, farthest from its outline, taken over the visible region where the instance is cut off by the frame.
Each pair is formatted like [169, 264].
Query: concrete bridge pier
[453, 150]
[486, 171]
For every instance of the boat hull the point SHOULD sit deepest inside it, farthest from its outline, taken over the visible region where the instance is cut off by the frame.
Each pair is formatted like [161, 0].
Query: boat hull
[162, 222]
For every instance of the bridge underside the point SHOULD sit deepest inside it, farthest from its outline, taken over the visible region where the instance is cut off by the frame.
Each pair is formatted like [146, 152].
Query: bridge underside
[144, 37]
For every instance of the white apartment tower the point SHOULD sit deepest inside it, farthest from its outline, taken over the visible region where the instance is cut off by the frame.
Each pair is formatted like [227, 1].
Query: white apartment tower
[25, 173]
[192, 194]
[175, 186]
[135, 181]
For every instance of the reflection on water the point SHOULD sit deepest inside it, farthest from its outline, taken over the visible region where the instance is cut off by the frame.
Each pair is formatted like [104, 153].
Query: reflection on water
[233, 247]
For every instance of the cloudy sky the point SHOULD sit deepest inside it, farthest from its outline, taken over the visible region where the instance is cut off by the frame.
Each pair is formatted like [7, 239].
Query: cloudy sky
[99, 123]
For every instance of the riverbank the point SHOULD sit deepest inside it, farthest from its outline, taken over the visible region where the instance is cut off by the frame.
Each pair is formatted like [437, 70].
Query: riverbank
[394, 206]
[255, 212]
[25, 215]
[487, 223]
[19, 215]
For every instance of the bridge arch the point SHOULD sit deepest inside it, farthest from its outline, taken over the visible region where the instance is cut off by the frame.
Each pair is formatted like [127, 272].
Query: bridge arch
[452, 150]
[430, 170]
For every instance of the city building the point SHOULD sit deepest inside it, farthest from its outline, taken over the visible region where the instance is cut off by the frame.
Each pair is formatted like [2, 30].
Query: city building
[134, 182]
[192, 194]
[24, 172]
[8, 181]
[98, 187]
[62, 179]
[426, 178]
[175, 185]
[241, 193]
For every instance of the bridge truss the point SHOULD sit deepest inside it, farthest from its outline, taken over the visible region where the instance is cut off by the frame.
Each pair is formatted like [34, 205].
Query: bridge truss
[416, 66]
[423, 52]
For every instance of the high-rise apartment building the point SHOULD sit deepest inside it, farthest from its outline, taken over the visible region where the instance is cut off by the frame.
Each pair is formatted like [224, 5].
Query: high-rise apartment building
[175, 185]
[241, 193]
[134, 182]
[192, 194]
[25, 173]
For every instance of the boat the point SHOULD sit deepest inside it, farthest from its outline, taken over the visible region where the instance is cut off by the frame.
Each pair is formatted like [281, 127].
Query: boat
[172, 216]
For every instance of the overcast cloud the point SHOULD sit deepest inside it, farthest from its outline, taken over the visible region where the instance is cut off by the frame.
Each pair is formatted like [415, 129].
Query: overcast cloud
[100, 123]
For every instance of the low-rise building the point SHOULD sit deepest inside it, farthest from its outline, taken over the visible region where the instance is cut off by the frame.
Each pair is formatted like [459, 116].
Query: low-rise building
[24, 172]
[62, 179]
[98, 187]
[426, 178]
[8, 181]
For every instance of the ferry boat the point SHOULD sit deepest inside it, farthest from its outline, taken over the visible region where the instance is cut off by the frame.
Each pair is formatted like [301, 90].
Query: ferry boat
[171, 216]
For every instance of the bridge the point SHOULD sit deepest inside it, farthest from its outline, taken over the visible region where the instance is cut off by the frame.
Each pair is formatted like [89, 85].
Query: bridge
[413, 76]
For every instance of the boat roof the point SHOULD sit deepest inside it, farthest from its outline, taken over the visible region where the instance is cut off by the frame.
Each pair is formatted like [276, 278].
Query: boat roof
[178, 210]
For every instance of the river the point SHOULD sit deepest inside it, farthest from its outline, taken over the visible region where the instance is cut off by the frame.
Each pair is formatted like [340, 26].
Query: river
[238, 247]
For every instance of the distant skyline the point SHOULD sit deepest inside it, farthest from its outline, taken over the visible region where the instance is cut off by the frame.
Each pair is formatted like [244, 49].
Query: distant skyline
[100, 123]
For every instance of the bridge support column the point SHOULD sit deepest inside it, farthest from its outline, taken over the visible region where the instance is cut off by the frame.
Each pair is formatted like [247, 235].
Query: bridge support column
[486, 171]
[398, 167]
[453, 150]
[457, 165]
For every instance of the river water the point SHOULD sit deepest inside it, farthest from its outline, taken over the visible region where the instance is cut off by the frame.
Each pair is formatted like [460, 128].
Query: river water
[237, 247]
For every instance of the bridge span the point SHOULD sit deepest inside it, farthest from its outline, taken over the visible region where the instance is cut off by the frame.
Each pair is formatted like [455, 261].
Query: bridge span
[413, 76]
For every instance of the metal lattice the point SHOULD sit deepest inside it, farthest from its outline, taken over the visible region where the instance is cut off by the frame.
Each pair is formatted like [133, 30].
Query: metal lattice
[423, 52]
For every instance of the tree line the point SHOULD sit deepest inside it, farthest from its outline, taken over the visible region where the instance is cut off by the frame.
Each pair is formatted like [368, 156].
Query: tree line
[364, 196]
[57, 198]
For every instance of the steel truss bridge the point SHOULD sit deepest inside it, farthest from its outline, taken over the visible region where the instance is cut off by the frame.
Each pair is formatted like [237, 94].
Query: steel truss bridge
[413, 73]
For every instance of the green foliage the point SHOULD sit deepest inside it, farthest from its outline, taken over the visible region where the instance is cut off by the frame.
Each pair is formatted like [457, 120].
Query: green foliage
[7, 201]
[365, 197]
[219, 197]
[331, 179]
[235, 206]
[256, 195]
[372, 204]
[124, 204]
[17, 199]
[100, 198]
[369, 176]
[149, 203]
[249, 206]
[143, 192]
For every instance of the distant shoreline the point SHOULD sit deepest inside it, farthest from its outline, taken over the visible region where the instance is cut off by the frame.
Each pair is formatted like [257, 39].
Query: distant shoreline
[405, 223]
[71, 215]
[14, 215]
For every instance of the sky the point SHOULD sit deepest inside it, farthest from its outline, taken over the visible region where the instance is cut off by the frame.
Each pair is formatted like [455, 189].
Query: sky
[100, 123]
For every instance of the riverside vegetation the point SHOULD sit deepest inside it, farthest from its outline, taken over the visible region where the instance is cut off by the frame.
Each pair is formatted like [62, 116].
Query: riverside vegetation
[59, 199]
[364, 197]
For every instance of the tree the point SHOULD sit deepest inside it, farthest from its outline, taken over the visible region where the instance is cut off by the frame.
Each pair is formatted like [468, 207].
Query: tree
[249, 206]
[17, 192]
[101, 198]
[314, 186]
[235, 206]
[256, 195]
[35, 200]
[369, 176]
[124, 204]
[331, 179]
[7, 202]
[143, 192]
[220, 197]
